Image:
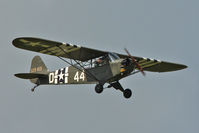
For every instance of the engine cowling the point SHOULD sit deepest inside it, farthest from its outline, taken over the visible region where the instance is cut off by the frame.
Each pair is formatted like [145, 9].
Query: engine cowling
[124, 65]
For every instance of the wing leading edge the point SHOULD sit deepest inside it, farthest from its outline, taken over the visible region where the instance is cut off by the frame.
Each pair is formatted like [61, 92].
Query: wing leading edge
[83, 54]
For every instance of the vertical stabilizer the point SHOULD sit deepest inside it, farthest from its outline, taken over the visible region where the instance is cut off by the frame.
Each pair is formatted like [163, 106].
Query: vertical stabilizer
[38, 66]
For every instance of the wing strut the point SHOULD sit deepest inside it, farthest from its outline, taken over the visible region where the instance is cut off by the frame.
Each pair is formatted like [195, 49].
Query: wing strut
[87, 72]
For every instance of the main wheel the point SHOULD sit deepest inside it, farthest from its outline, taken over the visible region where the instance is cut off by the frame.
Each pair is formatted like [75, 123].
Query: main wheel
[127, 93]
[99, 88]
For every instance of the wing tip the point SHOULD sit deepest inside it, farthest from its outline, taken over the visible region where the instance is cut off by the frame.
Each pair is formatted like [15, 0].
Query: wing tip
[183, 67]
[178, 67]
[15, 42]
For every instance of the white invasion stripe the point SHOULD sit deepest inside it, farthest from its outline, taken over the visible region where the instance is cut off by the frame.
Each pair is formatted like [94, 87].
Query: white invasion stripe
[56, 76]
[151, 59]
[70, 44]
[66, 70]
[66, 75]
[75, 45]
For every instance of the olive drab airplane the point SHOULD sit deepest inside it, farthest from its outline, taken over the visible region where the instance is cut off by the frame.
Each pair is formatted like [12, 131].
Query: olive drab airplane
[87, 66]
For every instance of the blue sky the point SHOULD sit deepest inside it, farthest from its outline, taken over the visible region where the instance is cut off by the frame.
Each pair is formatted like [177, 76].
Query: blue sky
[161, 102]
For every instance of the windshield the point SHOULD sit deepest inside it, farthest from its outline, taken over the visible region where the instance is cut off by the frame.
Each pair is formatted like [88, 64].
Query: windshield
[113, 57]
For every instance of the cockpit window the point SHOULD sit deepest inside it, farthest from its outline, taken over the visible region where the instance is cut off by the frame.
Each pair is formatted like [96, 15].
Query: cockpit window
[113, 57]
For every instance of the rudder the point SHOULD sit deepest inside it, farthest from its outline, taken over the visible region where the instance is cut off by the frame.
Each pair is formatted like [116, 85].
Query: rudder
[38, 66]
[38, 72]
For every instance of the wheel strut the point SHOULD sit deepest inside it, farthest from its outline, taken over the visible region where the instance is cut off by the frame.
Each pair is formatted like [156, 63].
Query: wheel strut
[33, 89]
[126, 92]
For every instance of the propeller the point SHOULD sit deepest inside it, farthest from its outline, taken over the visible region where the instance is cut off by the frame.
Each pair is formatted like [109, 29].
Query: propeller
[134, 61]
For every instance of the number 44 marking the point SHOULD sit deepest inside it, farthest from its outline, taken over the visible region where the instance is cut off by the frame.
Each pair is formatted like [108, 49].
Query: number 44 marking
[78, 77]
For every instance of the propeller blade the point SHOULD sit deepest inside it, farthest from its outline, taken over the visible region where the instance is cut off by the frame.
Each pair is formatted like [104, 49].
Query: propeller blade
[137, 65]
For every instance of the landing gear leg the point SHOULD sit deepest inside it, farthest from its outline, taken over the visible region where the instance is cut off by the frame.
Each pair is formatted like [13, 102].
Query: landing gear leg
[126, 93]
[33, 89]
[37, 84]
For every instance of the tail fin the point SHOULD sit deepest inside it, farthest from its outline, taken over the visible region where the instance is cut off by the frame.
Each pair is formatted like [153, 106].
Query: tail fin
[38, 73]
[38, 66]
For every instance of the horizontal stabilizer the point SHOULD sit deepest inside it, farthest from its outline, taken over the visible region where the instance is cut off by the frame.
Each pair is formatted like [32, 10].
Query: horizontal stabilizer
[30, 75]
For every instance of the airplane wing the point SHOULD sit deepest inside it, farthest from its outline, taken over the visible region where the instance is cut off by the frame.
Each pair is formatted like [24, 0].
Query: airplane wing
[56, 48]
[154, 65]
[83, 54]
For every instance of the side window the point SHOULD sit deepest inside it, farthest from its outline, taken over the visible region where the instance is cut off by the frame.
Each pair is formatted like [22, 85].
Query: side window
[101, 61]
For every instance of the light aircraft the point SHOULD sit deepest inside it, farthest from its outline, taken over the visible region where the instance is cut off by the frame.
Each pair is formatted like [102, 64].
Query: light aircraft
[87, 66]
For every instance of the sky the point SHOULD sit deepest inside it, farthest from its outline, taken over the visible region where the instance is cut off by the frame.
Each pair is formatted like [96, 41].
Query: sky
[161, 29]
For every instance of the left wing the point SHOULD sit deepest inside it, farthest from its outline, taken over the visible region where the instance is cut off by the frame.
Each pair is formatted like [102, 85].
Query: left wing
[56, 48]
[154, 65]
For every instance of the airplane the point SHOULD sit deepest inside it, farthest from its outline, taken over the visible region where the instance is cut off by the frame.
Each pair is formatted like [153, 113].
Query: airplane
[87, 65]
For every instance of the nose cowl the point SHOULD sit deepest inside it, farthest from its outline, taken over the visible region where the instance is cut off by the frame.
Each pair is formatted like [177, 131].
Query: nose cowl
[124, 64]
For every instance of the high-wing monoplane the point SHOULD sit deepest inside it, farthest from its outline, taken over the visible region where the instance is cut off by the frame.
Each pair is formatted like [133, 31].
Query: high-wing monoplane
[87, 66]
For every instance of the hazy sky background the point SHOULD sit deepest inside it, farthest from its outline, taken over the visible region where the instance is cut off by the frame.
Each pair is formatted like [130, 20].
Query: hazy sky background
[161, 103]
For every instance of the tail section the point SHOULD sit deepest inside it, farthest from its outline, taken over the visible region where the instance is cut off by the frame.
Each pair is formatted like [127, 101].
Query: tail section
[38, 66]
[38, 72]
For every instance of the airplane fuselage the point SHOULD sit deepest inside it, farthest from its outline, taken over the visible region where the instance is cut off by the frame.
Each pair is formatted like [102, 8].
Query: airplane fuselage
[71, 75]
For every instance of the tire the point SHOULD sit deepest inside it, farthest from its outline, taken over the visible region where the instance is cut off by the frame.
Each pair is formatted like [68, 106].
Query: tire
[99, 88]
[127, 93]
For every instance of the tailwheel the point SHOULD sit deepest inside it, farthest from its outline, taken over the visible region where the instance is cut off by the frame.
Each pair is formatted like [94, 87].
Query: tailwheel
[127, 93]
[33, 89]
[99, 88]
